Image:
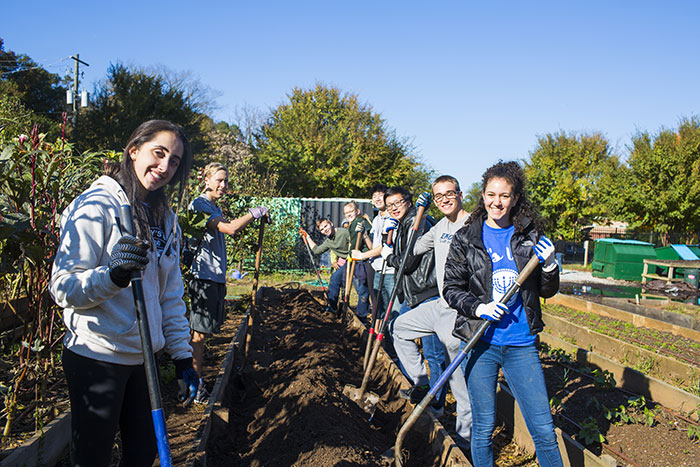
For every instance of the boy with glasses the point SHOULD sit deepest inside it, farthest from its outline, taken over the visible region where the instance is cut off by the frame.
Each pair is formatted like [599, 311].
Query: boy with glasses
[436, 318]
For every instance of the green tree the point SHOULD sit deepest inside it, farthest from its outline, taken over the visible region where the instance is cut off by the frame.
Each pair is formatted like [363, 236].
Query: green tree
[324, 143]
[471, 196]
[39, 91]
[130, 96]
[659, 189]
[563, 174]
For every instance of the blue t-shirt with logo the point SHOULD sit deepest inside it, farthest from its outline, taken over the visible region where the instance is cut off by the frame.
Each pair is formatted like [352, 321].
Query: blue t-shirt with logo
[512, 329]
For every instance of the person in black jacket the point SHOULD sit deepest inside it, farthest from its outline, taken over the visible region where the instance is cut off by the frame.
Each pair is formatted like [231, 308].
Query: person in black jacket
[502, 233]
[418, 283]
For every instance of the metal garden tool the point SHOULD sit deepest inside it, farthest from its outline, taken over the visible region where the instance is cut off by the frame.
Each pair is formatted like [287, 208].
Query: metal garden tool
[420, 408]
[369, 401]
[126, 221]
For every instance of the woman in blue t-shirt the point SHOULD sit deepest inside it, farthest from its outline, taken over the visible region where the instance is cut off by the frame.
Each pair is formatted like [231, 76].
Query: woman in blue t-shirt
[485, 256]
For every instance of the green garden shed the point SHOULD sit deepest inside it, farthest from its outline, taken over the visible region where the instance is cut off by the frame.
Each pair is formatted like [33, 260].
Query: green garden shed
[621, 259]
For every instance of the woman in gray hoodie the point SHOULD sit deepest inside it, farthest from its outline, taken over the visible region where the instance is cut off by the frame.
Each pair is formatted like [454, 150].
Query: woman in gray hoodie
[102, 356]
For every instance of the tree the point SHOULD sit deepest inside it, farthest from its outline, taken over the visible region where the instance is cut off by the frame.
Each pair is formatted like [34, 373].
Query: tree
[130, 96]
[323, 143]
[470, 198]
[39, 91]
[659, 189]
[563, 175]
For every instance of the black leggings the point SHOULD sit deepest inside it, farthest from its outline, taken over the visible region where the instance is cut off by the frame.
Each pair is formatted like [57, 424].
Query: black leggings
[103, 397]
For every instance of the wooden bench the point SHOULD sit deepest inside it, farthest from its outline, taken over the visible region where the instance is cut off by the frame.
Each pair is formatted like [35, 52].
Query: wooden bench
[672, 265]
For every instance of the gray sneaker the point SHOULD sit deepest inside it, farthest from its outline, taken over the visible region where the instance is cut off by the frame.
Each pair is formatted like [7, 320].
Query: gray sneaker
[202, 396]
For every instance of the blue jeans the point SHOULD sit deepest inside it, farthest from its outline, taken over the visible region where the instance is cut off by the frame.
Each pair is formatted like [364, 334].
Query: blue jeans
[434, 353]
[523, 371]
[337, 279]
[384, 294]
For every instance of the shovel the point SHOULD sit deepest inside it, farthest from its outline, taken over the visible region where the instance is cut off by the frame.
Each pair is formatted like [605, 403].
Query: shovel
[258, 256]
[350, 273]
[374, 326]
[369, 401]
[420, 408]
[318, 274]
[149, 360]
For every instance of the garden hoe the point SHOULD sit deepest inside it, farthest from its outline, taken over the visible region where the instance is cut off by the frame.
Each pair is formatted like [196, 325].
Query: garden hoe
[149, 360]
[420, 408]
[350, 273]
[369, 401]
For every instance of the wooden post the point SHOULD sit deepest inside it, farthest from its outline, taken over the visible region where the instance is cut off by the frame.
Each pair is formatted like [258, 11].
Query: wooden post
[585, 253]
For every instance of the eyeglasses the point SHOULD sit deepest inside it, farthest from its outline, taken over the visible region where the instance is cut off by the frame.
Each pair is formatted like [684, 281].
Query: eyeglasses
[449, 195]
[396, 204]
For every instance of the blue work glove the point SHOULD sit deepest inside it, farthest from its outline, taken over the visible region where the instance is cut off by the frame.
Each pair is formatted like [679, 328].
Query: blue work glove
[424, 200]
[389, 225]
[492, 311]
[545, 253]
[187, 381]
[129, 254]
[258, 212]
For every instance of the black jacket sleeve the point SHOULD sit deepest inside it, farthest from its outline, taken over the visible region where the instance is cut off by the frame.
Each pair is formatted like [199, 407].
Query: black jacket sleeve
[456, 288]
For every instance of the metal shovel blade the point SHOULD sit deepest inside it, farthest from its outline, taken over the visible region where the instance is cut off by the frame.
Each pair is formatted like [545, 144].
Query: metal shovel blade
[367, 400]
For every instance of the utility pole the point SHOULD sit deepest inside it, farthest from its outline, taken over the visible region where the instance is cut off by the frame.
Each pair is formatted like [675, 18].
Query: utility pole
[73, 98]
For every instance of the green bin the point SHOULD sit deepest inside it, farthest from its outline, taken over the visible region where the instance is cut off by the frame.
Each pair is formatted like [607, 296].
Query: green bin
[621, 259]
[691, 276]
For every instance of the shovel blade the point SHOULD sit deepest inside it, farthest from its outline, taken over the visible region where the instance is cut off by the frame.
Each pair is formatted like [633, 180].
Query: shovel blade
[365, 399]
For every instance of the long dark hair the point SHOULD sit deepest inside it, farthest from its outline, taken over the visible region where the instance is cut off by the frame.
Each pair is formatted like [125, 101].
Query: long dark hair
[158, 202]
[512, 173]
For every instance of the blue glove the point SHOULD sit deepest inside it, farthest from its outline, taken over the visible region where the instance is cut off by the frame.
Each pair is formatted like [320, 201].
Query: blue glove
[187, 381]
[129, 254]
[492, 311]
[390, 224]
[424, 200]
[545, 253]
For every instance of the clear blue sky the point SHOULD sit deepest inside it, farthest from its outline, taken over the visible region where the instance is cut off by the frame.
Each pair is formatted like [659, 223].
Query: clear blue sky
[468, 83]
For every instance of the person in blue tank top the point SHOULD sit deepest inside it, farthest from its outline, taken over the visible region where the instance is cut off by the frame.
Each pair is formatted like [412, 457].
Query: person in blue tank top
[485, 256]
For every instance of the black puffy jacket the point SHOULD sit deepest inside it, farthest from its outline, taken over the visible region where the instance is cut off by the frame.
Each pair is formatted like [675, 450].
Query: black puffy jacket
[419, 281]
[468, 277]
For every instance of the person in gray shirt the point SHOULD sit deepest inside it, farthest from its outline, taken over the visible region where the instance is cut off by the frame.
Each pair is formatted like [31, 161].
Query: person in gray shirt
[207, 288]
[436, 316]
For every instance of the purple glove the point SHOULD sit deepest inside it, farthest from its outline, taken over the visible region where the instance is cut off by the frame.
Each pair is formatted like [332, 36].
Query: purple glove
[258, 212]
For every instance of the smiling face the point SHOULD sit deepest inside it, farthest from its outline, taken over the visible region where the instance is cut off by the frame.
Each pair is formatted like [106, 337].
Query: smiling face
[499, 201]
[378, 200]
[155, 162]
[448, 198]
[215, 185]
[397, 206]
[326, 228]
[350, 212]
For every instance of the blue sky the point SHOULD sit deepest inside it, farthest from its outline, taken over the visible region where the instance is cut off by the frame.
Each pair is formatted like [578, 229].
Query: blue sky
[467, 83]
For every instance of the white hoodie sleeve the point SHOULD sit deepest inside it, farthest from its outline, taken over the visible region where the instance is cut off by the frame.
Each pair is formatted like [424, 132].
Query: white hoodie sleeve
[80, 275]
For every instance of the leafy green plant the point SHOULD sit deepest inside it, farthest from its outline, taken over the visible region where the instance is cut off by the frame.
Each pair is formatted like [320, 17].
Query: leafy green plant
[589, 432]
[694, 433]
[603, 379]
[37, 181]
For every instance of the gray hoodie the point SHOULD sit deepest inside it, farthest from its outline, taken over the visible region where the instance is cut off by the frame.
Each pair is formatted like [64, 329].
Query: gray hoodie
[100, 316]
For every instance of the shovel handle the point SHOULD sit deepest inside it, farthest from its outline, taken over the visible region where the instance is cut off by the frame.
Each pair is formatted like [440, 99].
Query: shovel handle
[420, 408]
[126, 222]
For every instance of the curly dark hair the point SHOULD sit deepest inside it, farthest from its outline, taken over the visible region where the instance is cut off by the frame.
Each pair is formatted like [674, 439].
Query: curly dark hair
[512, 173]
